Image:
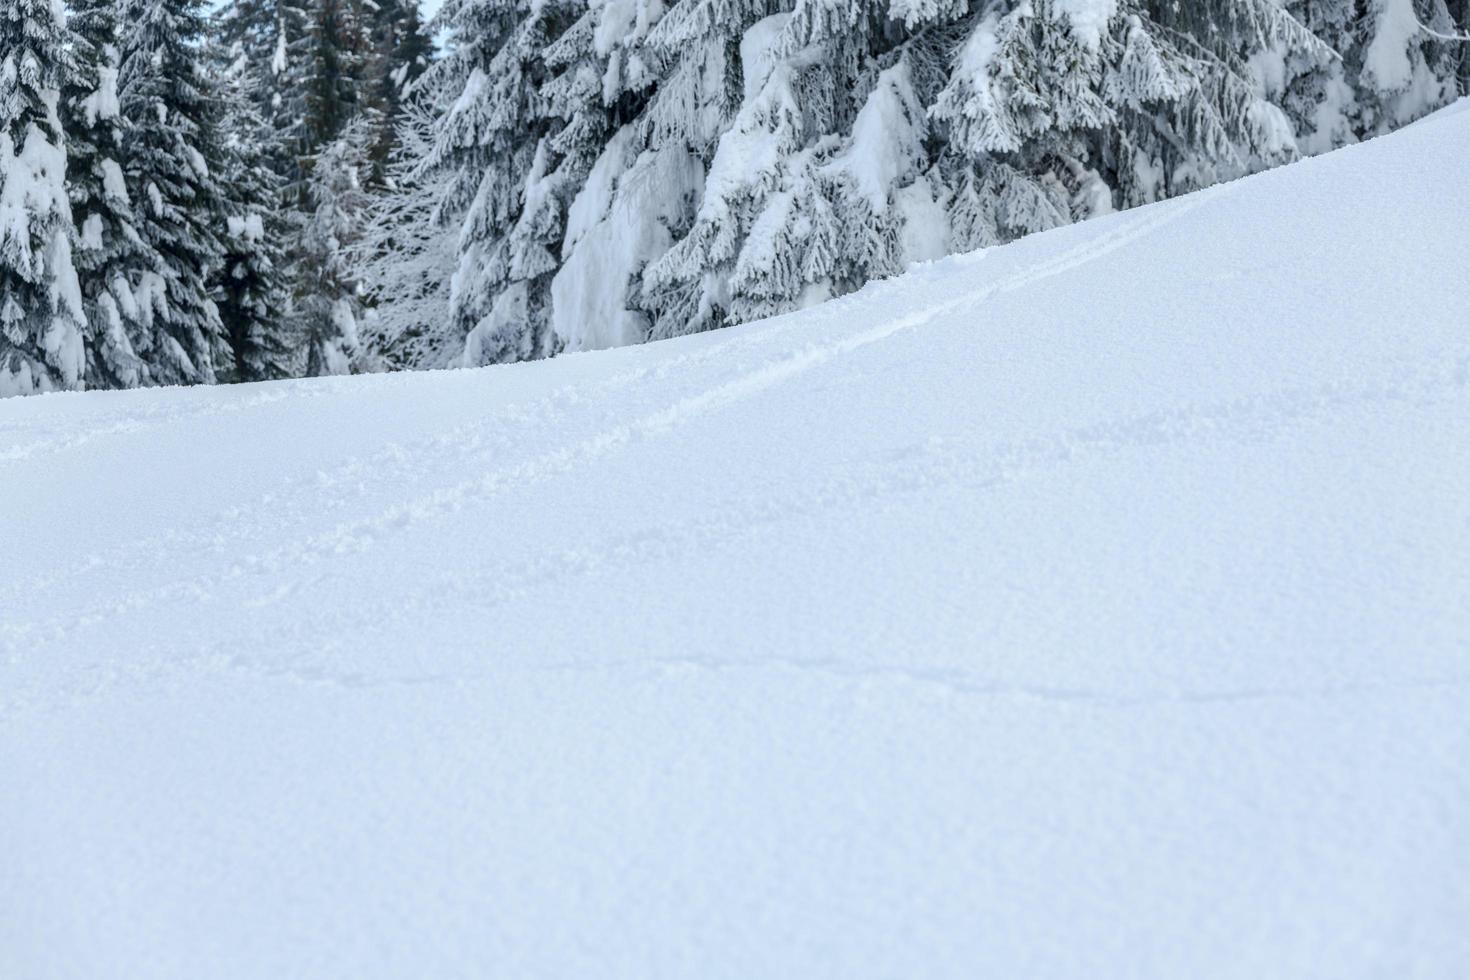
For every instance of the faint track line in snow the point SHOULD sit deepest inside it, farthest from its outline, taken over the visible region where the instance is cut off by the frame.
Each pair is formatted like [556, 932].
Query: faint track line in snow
[969, 683]
[154, 416]
[946, 681]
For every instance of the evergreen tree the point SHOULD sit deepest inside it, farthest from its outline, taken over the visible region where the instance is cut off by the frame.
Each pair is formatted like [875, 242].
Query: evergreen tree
[401, 52]
[1460, 17]
[310, 66]
[41, 318]
[250, 288]
[109, 254]
[333, 146]
[172, 167]
[268, 42]
[1398, 60]
[333, 74]
[1409, 62]
[768, 229]
[406, 255]
[504, 179]
[1059, 118]
[328, 301]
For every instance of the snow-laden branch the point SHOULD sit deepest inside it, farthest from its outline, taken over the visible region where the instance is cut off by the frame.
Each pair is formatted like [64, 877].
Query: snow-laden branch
[1455, 38]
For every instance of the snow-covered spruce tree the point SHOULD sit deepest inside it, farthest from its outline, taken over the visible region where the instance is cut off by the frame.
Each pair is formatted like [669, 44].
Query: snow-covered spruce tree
[333, 73]
[808, 188]
[172, 165]
[716, 100]
[311, 65]
[332, 146]
[799, 117]
[1407, 56]
[406, 255]
[598, 208]
[250, 288]
[1399, 60]
[108, 254]
[493, 142]
[272, 39]
[632, 199]
[42, 347]
[327, 300]
[400, 54]
[1062, 109]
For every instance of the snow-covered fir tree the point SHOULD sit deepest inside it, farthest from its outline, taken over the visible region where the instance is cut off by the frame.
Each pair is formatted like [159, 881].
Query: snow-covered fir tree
[313, 70]
[108, 253]
[493, 140]
[400, 54]
[641, 142]
[1460, 15]
[1398, 60]
[250, 288]
[406, 255]
[172, 167]
[1408, 55]
[333, 71]
[781, 88]
[42, 347]
[310, 66]
[328, 302]
[267, 42]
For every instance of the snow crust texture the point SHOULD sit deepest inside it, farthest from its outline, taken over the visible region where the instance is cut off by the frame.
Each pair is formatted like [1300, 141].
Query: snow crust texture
[1094, 606]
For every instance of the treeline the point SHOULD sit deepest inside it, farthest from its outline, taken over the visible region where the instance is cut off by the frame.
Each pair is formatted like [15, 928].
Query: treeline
[307, 188]
[178, 194]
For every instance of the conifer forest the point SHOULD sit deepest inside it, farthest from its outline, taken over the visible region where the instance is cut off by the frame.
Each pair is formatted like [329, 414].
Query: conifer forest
[267, 189]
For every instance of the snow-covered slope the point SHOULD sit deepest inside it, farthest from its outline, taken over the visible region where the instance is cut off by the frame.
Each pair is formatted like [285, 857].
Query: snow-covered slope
[1094, 606]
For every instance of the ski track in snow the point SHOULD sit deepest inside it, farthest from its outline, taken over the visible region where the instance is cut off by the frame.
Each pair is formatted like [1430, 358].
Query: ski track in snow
[357, 536]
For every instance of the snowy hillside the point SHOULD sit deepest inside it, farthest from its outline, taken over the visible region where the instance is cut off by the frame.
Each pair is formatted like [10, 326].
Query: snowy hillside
[1094, 606]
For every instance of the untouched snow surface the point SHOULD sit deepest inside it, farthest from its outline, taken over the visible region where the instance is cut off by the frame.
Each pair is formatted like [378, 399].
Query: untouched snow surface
[1097, 606]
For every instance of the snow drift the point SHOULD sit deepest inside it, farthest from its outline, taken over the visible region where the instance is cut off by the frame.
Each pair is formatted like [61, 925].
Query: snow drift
[1091, 606]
